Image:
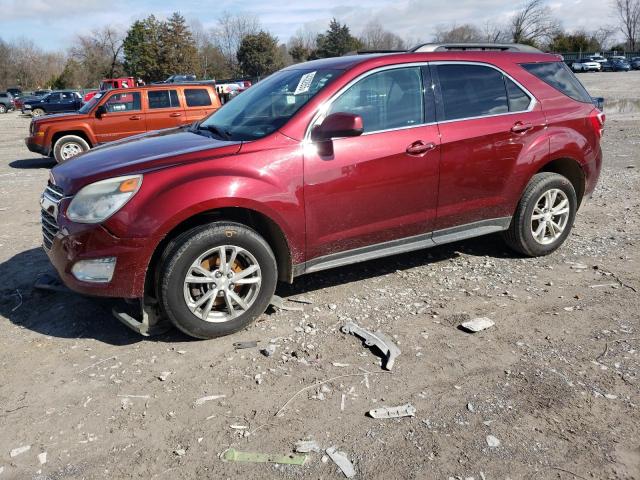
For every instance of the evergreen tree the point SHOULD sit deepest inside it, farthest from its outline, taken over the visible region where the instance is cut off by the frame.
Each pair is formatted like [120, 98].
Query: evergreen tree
[259, 54]
[336, 41]
[142, 49]
[179, 53]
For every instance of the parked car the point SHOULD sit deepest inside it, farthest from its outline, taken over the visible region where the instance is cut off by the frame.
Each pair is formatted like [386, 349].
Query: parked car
[616, 65]
[120, 113]
[55, 102]
[15, 92]
[29, 98]
[586, 65]
[635, 63]
[6, 102]
[178, 79]
[324, 164]
[111, 84]
[597, 58]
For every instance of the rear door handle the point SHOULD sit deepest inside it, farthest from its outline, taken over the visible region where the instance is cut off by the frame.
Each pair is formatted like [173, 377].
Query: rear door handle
[175, 114]
[420, 148]
[134, 117]
[520, 127]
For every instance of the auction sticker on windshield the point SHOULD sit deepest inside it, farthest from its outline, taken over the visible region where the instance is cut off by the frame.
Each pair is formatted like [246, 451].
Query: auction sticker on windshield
[305, 83]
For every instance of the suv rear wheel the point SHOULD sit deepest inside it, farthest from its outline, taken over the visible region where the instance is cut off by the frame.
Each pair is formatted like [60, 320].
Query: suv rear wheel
[216, 279]
[544, 217]
[69, 146]
[3, 108]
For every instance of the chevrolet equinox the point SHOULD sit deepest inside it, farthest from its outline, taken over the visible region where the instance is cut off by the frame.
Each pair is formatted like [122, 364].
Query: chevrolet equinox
[324, 164]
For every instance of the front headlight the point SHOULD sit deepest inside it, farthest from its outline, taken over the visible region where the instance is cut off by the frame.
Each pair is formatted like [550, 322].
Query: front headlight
[27, 106]
[98, 201]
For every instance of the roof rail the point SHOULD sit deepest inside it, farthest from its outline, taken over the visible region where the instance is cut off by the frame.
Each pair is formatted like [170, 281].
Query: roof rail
[366, 52]
[500, 47]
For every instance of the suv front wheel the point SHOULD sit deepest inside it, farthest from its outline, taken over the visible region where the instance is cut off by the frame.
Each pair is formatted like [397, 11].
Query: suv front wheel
[68, 147]
[544, 217]
[216, 279]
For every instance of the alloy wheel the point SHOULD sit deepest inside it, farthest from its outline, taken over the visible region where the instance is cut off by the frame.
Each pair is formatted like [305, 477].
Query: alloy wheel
[550, 216]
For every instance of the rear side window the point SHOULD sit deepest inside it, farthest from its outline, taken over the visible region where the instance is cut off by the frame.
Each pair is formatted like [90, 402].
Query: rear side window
[197, 97]
[518, 100]
[560, 77]
[163, 99]
[471, 91]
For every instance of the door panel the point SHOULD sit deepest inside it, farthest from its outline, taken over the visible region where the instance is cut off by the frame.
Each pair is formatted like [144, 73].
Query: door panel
[380, 186]
[124, 117]
[491, 131]
[164, 110]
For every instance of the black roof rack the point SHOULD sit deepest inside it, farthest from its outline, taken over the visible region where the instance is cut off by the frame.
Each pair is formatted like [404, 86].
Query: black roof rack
[498, 47]
[366, 52]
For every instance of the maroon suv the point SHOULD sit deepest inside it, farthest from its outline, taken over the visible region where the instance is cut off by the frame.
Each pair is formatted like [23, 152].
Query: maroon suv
[323, 164]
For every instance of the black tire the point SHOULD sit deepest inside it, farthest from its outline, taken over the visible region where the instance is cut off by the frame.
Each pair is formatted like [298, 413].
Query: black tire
[520, 236]
[176, 263]
[67, 141]
[3, 108]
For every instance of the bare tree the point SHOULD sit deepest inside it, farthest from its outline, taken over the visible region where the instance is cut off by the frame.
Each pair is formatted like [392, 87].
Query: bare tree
[99, 54]
[604, 36]
[494, 33]
[302, 44]
[375, 37]
[533, 23]
[228, 35]
[458, 34]
[628, 12]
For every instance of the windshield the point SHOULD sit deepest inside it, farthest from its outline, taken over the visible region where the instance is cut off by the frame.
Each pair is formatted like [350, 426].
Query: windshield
[268, 105]
[86, 108]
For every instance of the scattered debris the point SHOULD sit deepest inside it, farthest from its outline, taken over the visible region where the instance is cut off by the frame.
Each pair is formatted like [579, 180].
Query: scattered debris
[243, 345]
[239, 427]
[610, 396]
[477, 324]
[134, 396]
[180, 452]
[407, 410]
[19, 301]
[203, 400]
[304, 300]
[163, 376]
[42, 458]
[19, 450]
[269, 350]
[279, 303]
[377, 339]
[306, 446]
[492, 441]
[341, 460]
[337, 364]
[233, 455]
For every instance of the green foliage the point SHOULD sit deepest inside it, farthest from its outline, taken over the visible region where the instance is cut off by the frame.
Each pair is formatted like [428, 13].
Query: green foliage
[259, 54]
[66, 78]
[575, 42]
[154, 50]
[336, 41]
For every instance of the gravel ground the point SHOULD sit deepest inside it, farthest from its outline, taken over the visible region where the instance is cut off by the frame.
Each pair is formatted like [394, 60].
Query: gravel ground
[556, 381]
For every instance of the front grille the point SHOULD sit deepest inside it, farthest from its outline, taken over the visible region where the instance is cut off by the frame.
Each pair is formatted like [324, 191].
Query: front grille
[49, 213]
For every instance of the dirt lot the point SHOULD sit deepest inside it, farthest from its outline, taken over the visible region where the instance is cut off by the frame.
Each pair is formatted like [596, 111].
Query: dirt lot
[556, 380]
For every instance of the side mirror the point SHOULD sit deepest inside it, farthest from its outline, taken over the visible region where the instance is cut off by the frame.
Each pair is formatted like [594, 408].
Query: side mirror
[598, 102]
[100, 111]
[338, 125]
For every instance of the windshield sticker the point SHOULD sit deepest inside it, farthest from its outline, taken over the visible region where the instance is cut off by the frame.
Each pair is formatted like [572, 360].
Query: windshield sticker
[305, 83]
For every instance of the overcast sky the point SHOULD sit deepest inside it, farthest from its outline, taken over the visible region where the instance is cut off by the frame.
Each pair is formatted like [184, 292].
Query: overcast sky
[52, 24]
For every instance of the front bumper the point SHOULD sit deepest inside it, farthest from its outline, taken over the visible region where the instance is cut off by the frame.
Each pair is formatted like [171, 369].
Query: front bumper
[35, 147]
[74, 242]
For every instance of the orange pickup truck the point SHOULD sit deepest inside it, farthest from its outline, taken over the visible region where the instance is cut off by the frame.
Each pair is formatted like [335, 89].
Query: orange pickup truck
[120, 113]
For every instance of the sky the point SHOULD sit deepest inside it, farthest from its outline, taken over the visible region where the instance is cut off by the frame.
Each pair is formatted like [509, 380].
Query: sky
[53, 24]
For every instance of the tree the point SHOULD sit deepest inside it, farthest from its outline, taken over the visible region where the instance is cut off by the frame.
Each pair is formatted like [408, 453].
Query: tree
[628, 13]
[458, 34]
[259, 54]
[579, 41]
[375, 37]
[302, 45]
[178, 49]
[68, 77]
[97, 55]
[142, 49]
[336, 41]
[229, 34]
[533, 24]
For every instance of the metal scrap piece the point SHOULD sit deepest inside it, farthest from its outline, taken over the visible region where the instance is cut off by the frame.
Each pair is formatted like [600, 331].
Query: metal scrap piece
[378, 339]
[278, 302]
[407, 410]
[233, 455]
[341, 460]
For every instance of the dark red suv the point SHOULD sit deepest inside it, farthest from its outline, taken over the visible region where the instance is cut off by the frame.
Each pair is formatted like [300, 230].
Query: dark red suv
[323, 164]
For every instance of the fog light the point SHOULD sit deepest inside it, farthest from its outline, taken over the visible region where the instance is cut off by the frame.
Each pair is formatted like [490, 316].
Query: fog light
[97, 270]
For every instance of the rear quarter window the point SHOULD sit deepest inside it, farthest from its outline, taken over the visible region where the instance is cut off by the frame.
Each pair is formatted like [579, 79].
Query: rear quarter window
[560, 77]
[197, 97]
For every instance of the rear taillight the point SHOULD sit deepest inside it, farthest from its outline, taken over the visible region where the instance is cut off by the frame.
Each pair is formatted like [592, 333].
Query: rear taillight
[597, 121]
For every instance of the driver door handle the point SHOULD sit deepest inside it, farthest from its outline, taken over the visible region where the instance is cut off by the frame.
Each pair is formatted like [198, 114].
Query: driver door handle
[520, 127]
[420, 148]
[134, 117]
[175, 114]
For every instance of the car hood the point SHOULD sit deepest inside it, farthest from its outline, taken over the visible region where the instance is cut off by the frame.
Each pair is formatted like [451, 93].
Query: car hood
[139, 154]
[58, 116]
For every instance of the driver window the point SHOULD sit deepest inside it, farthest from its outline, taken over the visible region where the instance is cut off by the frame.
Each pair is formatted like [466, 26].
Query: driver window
[123, 102]
[385, 100]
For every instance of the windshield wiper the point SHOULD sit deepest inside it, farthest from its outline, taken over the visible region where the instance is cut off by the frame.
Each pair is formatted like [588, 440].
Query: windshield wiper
[223, 134]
